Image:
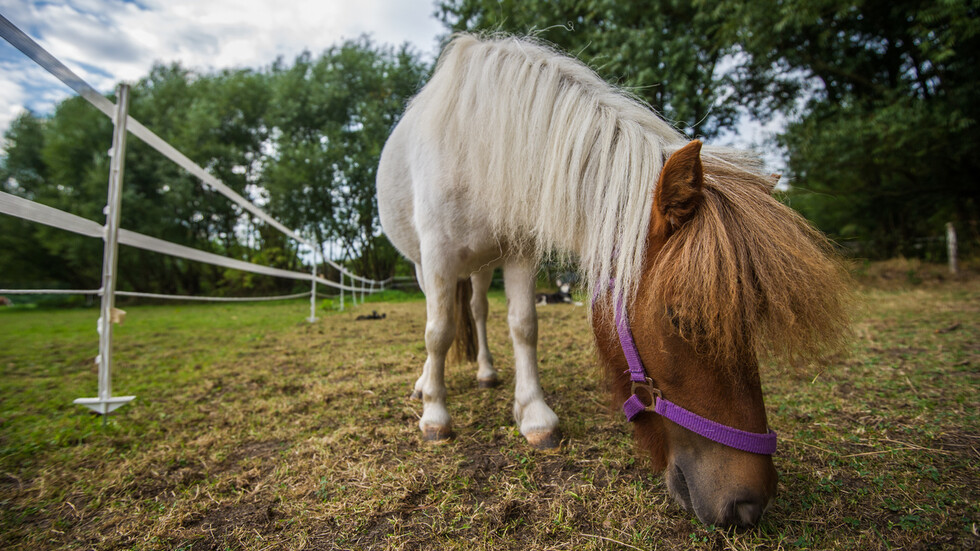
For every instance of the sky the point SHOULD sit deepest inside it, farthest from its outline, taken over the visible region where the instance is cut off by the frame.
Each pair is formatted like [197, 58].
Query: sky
[108, 41]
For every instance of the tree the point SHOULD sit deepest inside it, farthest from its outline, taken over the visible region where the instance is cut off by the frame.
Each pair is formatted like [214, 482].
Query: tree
[71, 176]
[882, 147]
[24, 259]
[218, 121]
[304, 138]
[61, 161]
[329, 120]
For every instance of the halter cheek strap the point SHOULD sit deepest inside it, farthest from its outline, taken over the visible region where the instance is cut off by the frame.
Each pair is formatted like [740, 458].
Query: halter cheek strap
[764, 444]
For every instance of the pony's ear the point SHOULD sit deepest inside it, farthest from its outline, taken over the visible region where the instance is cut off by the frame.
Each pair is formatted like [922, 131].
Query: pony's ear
[678, 192]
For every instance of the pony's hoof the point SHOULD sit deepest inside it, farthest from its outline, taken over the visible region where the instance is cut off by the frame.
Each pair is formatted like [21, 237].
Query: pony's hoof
[415, 395]
[436, 434]
[487, 383]
[544, 440]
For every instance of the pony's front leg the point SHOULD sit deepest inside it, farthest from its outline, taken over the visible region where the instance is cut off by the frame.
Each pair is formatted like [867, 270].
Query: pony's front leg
[439, 332]
[486, 375]
[538, 423]
[417, 389]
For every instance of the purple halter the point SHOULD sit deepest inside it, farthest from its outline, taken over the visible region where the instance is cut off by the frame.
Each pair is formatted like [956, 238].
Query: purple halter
[764, 444]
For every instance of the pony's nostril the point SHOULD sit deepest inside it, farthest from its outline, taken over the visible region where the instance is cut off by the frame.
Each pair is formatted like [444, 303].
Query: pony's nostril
[745, 513]
[677, 485]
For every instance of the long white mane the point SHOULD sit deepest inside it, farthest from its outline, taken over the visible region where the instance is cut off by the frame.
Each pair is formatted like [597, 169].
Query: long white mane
[561, 160]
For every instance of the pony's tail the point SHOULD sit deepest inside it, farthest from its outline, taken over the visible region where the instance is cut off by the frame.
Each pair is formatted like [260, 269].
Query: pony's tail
[464, 345]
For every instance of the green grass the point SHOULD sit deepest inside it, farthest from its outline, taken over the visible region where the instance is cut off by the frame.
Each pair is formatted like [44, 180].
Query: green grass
[253, 429]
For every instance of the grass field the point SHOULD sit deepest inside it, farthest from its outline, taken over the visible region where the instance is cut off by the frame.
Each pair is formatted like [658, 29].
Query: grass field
[254, 429]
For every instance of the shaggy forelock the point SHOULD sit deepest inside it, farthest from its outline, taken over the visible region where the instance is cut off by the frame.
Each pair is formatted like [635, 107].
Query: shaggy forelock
[748, 274]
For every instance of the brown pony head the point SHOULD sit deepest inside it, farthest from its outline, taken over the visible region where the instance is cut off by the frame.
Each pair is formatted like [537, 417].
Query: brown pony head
[730, 276]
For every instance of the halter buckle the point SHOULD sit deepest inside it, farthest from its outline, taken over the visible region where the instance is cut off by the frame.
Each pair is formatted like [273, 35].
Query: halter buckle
[647, 387]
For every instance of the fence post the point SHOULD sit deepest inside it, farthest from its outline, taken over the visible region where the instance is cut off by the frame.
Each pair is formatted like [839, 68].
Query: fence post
[312, 317]
[951, 248]
[105, 402]
[341, 291]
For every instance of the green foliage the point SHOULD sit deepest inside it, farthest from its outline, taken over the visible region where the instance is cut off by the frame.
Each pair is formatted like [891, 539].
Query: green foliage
[330, 116]
[882, 145]
[217, 121]
[23, 173]
[304, 138]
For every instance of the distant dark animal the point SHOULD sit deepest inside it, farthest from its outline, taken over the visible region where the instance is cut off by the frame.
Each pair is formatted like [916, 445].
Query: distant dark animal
[562, 296]
[374, 316]
[553, 298]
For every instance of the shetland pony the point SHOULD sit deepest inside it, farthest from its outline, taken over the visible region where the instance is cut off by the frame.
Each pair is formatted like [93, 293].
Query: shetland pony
[512, 151]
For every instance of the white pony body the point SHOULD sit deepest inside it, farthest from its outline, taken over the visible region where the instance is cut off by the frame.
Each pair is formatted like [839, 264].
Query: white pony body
[512, 151]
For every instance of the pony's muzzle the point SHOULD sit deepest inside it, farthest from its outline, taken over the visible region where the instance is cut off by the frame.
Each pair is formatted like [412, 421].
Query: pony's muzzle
[721, 502]
[744, 513]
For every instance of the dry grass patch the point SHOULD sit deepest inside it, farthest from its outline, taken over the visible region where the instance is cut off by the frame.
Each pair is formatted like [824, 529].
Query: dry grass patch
[266, 432]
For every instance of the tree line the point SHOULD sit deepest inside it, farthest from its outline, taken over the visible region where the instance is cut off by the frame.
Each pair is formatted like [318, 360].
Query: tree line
[301, 138]
[879, 99]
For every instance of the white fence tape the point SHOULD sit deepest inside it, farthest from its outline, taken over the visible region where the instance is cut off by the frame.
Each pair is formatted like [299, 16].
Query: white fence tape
[212, 299]
[152, 295]
[36, 212]
[51, 292]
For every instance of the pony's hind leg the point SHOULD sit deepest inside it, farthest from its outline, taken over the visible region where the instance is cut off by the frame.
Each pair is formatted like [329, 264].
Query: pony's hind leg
[486, 375]
[440, 298]
[537, 422]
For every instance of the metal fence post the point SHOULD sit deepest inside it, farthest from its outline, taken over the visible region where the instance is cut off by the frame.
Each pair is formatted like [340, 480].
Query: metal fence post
[951, 248]
[105, 402]
[312, 317]
[341, 291]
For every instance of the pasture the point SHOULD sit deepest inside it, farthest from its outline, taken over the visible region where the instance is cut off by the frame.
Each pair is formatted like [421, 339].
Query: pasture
[253, 429]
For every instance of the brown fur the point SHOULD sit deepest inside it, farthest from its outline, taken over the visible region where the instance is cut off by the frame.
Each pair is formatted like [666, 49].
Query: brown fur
[746, 273]
[676, 204]
[464, 349]
[744, 277]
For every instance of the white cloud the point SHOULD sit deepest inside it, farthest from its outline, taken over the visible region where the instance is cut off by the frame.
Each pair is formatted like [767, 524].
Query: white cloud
[107, 41]
[753, 134]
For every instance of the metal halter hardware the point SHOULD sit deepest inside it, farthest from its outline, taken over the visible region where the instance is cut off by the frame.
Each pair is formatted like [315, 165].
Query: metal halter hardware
[647, 386]
[764, 444]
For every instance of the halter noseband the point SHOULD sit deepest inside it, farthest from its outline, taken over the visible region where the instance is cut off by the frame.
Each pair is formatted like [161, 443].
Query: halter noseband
[764, 444]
